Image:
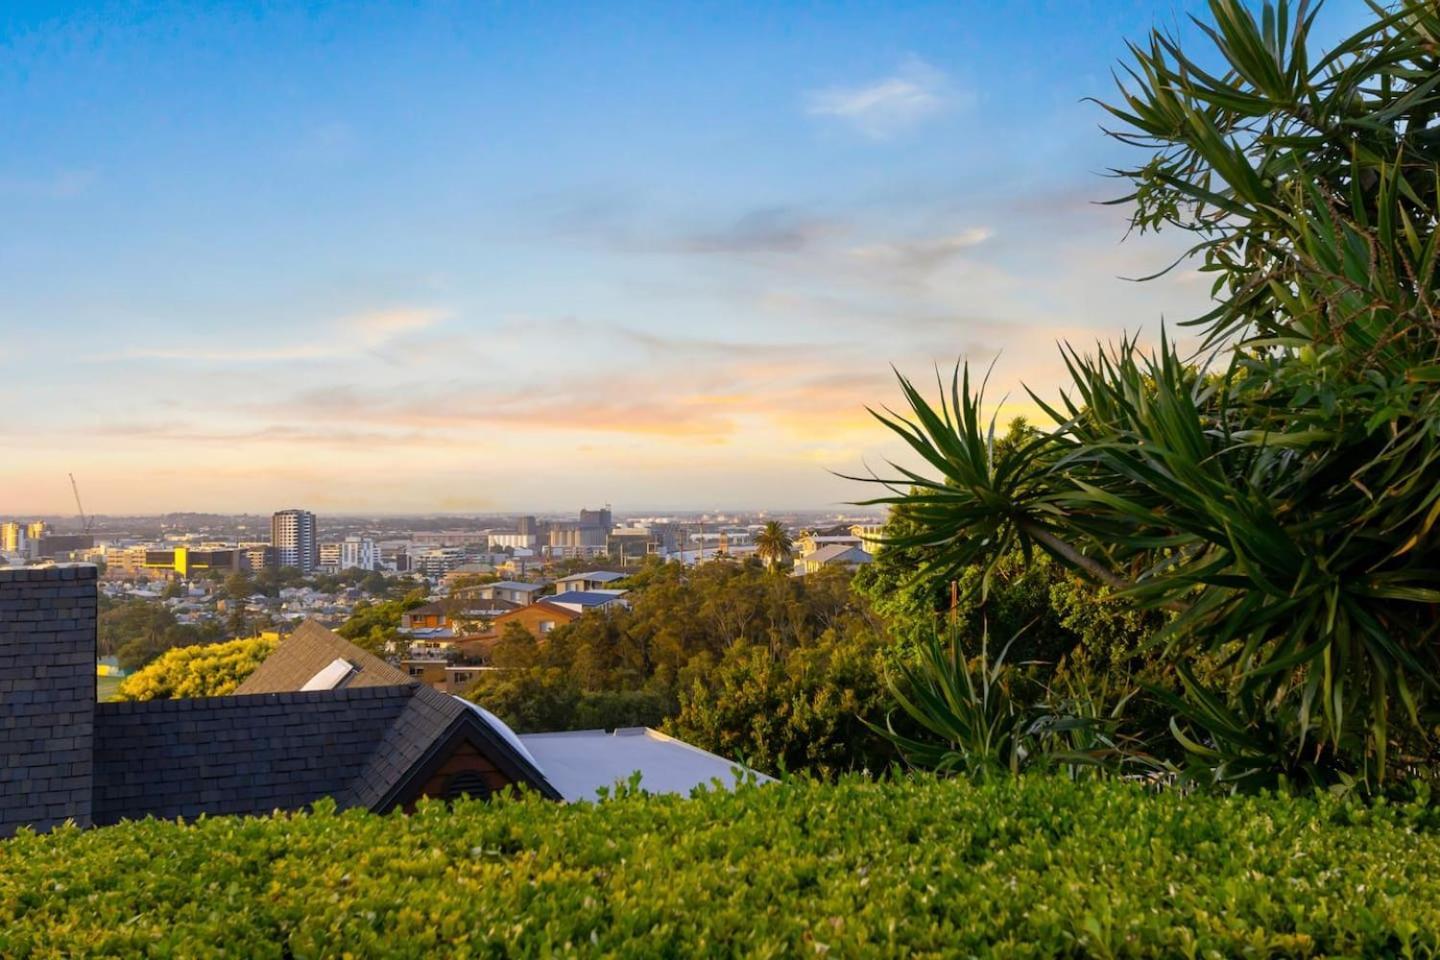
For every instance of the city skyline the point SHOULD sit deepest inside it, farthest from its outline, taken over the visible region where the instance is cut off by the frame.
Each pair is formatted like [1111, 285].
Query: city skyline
[441, 258]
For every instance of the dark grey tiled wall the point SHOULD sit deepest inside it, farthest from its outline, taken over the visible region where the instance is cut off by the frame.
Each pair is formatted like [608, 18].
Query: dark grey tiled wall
[47, 696]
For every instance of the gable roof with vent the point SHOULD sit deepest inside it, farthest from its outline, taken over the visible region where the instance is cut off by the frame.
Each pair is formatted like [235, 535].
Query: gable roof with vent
[368, 736]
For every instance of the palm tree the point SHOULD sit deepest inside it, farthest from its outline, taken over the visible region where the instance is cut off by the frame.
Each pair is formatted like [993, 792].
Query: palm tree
[773, 544]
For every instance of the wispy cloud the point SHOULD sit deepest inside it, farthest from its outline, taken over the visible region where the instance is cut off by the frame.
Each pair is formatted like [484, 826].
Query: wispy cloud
[345, 337]
[923, 254]
[379, 327]
[767, 230]
[886, 107]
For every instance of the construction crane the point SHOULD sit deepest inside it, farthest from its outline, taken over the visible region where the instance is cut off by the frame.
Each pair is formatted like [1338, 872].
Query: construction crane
[86, 523]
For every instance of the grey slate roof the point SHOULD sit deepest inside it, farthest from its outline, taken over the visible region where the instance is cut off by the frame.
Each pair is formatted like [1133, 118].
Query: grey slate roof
[427, 717]
[238, 754]
[309, 650]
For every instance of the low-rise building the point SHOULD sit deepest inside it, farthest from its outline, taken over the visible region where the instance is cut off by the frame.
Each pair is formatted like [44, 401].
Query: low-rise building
[583, 601]
[539, 618]
[834, 554]
[514, 591]
[590, 580]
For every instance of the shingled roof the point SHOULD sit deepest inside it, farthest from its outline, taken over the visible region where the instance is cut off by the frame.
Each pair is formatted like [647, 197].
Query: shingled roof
[238, 754]
[310, 649]
[430, 725]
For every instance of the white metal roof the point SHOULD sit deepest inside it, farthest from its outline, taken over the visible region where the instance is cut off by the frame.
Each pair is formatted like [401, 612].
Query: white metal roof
[578, 763]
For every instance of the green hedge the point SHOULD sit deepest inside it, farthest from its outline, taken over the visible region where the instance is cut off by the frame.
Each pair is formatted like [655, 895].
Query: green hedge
[1040, 867]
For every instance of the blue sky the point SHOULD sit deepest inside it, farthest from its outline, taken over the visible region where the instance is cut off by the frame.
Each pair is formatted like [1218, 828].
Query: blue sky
[473, 256]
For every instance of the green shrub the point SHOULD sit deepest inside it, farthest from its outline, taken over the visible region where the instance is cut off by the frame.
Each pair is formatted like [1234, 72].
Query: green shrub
[1033, 867]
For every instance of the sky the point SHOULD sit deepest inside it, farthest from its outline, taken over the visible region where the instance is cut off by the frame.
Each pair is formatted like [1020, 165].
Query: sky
[472, 257]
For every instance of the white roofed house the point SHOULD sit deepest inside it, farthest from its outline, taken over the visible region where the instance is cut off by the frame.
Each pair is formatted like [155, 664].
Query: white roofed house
[515, 591]
[831, 555]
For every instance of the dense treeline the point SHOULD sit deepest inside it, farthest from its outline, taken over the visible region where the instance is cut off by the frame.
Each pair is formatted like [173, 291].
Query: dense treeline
[138, 631]
[732, 657]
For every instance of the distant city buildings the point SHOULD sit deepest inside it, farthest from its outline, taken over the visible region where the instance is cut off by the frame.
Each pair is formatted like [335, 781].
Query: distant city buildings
[359, 553]
[632, 543]
[515, 541]
[587, 537]
[292, 534]
[14, 538]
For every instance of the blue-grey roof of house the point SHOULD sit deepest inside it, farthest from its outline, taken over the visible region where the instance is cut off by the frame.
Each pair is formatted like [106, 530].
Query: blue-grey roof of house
[838, 553]
[598, 576]
[514, 585]
[586, 598]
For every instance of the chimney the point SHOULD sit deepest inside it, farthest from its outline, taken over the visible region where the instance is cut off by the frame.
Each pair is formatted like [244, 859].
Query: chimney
[47, 696]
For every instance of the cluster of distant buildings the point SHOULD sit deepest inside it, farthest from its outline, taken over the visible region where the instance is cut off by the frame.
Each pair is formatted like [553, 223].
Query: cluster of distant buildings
[34, 540]
[519, 550]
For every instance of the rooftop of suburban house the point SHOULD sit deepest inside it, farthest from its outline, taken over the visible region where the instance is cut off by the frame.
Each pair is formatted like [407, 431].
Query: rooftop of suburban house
[319, 718]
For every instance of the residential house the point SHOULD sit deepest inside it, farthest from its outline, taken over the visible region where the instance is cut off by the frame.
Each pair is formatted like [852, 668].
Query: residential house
[539, 618]
[441, 620]
[515, 591]
[871, 536]
[319, 718]
[582, 601]
[833, 554]
[593, 580]
[810, 542]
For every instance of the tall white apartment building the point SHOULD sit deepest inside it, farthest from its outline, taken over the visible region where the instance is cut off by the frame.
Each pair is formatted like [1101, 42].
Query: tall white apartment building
[359, 552]
[292, 534]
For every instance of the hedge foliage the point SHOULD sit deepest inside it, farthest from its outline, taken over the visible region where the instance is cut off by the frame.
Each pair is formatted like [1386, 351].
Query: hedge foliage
[913, 867]
[203, 670]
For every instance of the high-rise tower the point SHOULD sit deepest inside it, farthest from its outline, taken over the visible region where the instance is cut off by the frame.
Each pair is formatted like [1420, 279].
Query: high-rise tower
[292, 534]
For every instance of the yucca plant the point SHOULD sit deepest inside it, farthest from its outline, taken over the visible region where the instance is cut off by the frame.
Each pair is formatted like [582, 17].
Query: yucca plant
[1279, 493]
[970, 717]
[971, 723]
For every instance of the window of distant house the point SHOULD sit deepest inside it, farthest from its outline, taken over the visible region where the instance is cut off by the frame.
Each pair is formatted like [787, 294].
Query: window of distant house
[547, 625]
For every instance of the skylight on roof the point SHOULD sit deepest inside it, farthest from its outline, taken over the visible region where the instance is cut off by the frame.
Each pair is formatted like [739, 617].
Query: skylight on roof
[332, 677]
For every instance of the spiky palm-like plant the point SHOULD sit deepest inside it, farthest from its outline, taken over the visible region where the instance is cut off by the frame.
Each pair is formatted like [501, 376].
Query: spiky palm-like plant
[1281, 494]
